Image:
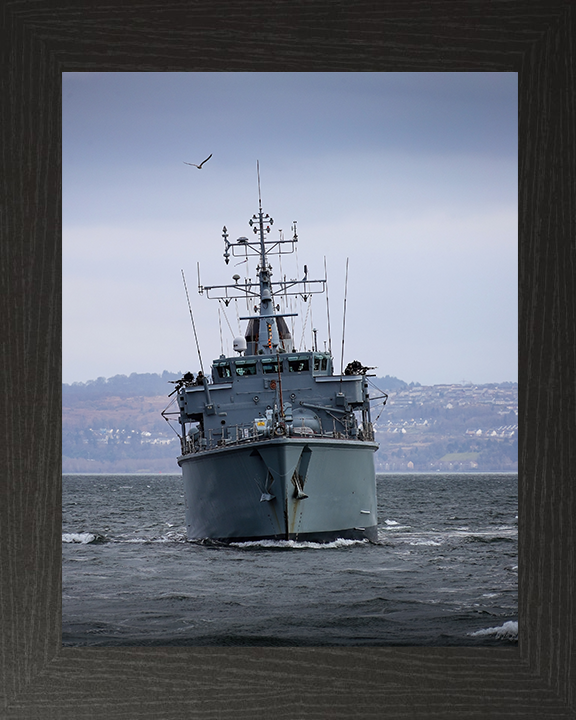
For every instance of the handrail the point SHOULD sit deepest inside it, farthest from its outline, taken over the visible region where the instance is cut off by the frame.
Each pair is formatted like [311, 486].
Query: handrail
[246, 434]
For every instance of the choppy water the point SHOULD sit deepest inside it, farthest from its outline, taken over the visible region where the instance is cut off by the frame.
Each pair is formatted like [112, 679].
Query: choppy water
[443, 572]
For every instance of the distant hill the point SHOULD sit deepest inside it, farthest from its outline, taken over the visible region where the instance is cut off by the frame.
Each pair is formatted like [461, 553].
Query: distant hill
[133, 385]
[153, 384]
[115, 425]
[390, 384]
[457, 428]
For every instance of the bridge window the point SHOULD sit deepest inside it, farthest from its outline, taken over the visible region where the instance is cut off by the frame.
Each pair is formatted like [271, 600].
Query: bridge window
[298, 364]
[245, 367]
[270, 365]
[320, 363]
[223, 370]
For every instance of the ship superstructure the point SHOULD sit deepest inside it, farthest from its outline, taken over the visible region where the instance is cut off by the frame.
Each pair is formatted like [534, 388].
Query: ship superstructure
[274, 445]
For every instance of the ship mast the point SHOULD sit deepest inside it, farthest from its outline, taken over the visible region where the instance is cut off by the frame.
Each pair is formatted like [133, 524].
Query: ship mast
[268, 336]
[268, 321]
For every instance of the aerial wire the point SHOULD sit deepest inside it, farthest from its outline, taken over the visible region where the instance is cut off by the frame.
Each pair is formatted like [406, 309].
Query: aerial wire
[237, 316]
[226, 317]
[220, 326]
[193, 324]
[344, 322]
[327, 308]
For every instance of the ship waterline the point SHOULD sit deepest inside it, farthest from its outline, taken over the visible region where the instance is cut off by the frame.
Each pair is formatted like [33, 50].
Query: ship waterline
[316, 489]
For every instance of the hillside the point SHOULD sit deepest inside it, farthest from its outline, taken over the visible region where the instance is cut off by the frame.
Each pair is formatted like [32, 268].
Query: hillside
[449, 428]
[115, 425]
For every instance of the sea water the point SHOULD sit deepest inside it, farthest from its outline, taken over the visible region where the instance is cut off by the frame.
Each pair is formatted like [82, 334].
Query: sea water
[443, 572]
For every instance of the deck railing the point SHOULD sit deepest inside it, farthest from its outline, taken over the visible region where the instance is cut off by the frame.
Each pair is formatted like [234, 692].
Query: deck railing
[237, 435]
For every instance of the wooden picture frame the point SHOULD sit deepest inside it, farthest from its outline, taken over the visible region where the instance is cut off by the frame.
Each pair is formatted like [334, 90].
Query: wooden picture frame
[39, 678]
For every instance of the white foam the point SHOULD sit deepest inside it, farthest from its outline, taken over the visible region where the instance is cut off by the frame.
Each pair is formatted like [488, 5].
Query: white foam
[296, 545]
[426, 542]
[83, 538]
[504, 533]
[509, 631]
[393, 525]
[171, 537]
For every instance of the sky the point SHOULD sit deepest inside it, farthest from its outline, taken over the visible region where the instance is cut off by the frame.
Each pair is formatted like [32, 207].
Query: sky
[411, 177]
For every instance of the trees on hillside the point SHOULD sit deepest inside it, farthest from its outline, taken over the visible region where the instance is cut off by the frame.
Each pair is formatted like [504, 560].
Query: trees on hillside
[133, 385]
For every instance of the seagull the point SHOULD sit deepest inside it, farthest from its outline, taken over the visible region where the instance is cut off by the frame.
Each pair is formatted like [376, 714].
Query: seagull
[202, 163]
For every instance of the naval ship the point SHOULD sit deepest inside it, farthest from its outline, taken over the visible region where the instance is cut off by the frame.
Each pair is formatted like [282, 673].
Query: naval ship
[274, 445]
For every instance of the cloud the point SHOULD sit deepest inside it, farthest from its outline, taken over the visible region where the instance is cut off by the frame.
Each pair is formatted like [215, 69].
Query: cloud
[412, 176]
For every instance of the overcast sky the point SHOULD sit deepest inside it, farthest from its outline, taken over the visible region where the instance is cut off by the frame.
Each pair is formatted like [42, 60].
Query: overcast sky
[412, 176]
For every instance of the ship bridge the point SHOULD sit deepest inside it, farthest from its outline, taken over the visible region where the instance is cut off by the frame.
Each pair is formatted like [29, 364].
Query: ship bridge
[224, 369]
[254, 397]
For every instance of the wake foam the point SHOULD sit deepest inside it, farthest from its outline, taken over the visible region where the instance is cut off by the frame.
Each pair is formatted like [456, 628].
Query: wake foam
[169, 537]
[393, 525]
[85, 538]
[82, 538]
[508, 631]
[172, 536]
[297, 545]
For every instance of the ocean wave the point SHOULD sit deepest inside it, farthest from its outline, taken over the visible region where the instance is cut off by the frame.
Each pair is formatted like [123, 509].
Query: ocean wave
[487, 537]
[83, 538]
[392, 525]
[507, 631]
[172, 536]
[169, 537]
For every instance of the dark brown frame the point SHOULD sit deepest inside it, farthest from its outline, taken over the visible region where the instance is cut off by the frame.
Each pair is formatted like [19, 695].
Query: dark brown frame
[41, 39]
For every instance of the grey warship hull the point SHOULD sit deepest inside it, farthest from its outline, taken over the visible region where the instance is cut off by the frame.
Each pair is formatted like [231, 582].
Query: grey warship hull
[316, 489]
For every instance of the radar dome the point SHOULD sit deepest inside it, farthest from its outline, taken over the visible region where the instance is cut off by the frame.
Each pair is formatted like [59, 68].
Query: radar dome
[239, 344]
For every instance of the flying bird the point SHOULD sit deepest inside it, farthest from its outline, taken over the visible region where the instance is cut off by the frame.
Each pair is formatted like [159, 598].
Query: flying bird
[202, 163]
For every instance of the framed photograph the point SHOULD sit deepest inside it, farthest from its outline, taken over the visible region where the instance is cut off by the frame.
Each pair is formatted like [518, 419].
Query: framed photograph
[43, 679]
